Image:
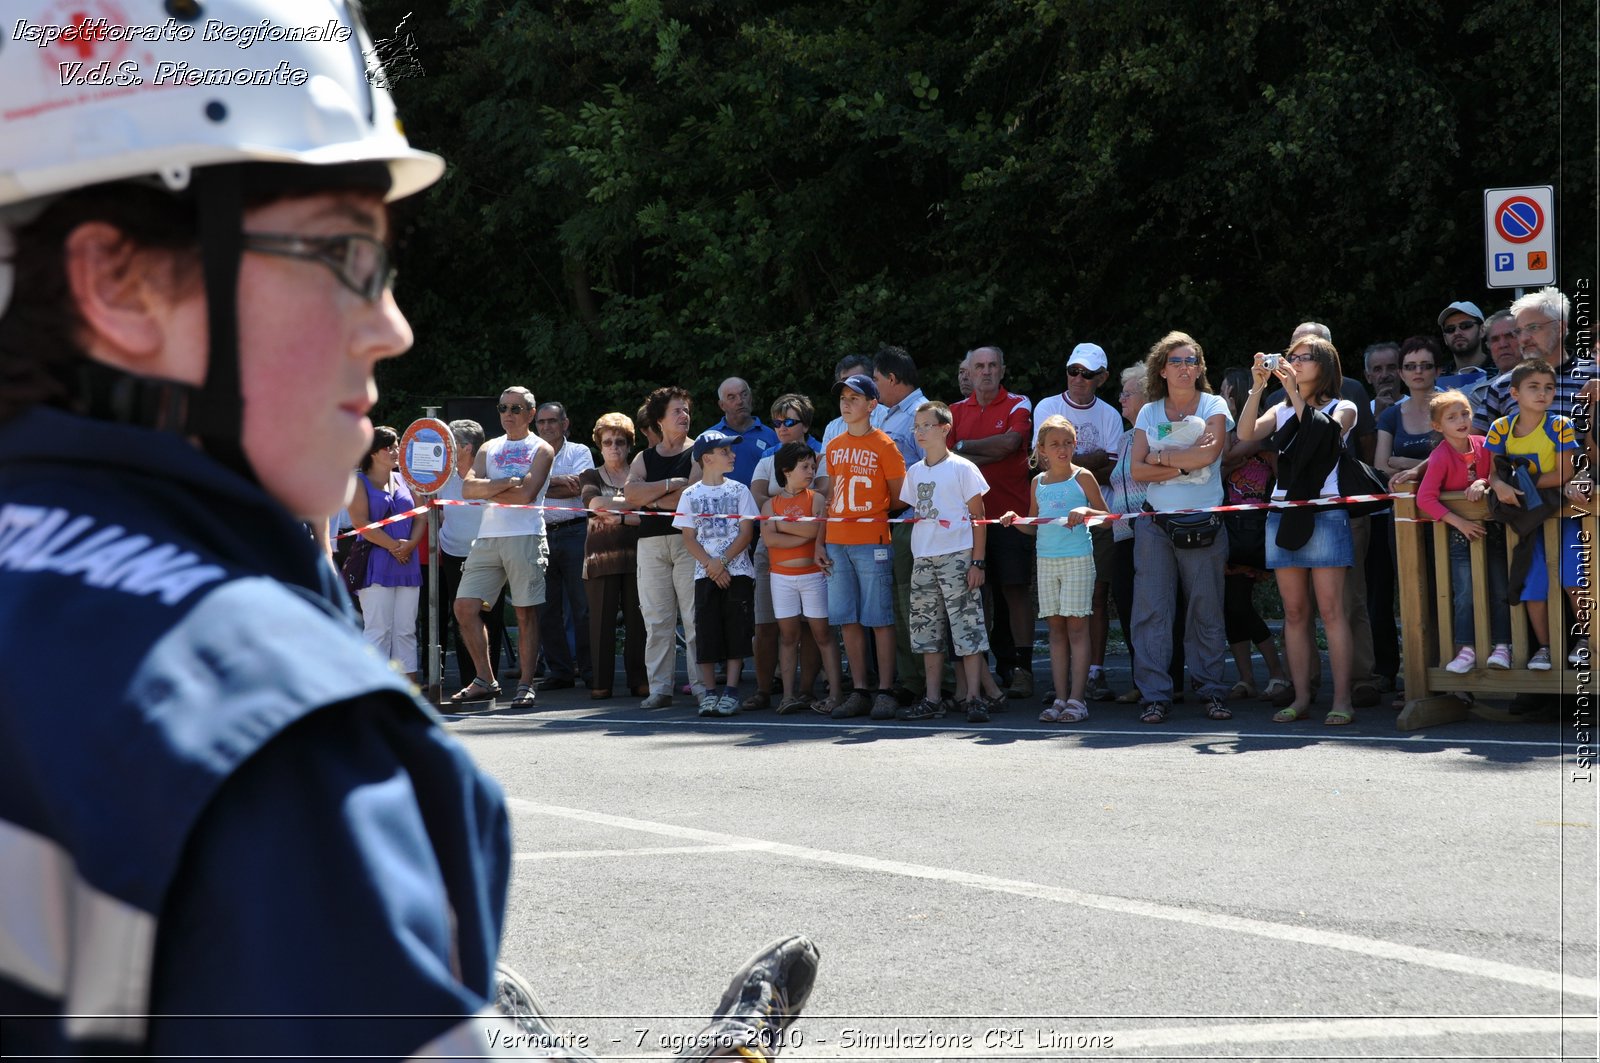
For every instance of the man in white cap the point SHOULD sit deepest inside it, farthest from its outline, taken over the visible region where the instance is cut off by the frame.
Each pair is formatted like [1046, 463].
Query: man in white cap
[1461, 325]
[1099, 427]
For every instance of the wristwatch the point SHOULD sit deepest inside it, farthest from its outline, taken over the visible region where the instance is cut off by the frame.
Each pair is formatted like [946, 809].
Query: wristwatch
[977, 563]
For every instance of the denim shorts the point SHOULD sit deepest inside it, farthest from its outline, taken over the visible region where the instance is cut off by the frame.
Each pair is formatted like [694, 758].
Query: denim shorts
[861, 585]
[1328, 547]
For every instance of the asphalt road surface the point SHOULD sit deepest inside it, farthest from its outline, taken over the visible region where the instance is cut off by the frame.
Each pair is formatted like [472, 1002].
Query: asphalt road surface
[1021, 890]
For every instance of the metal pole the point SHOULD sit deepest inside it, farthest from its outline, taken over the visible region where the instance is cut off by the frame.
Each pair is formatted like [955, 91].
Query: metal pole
[435, 662]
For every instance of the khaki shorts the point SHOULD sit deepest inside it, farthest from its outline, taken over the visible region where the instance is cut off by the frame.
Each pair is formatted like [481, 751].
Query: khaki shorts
[515, 560]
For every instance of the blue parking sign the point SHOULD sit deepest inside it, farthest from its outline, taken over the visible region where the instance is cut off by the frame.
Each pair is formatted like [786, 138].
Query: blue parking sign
[1504, 262]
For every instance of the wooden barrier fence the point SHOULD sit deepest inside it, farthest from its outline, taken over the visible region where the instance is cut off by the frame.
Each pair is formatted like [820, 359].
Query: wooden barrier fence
[1425, 611]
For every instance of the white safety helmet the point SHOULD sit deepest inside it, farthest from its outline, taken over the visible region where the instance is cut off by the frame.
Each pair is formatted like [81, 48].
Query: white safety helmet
[275, 94]
[191, 95]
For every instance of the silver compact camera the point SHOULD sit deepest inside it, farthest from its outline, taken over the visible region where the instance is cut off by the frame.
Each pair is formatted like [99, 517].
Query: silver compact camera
[1269, 362]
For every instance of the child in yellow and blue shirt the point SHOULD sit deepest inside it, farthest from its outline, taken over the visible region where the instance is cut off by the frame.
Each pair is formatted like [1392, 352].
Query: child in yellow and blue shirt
[1548, 443]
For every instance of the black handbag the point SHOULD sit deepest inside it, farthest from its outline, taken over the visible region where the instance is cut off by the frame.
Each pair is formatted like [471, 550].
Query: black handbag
[1191, 531]
[1356, 477]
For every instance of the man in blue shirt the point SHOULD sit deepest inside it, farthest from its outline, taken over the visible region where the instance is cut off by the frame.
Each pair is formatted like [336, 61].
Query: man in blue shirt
[756, 439]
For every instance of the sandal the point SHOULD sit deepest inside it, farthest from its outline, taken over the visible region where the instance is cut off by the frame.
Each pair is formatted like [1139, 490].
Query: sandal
[1155, 712]
[1074, 711]
[1053, 713]
[1242, 689]
[1275, 687]
[524, 698]
[1339, 718]
[1291, 715]
[477, 690]
[1216, 709]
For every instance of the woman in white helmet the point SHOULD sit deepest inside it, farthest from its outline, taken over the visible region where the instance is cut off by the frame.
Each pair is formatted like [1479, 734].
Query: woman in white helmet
[239, 810]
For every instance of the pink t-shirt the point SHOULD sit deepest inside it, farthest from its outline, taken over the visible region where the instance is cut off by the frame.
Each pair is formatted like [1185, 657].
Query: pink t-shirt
[1449, 470]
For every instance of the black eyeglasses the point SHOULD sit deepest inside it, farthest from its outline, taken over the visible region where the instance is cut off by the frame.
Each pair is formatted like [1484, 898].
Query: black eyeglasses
[1461, 327]
[1078, 370]
[788, 422]
[512, 407]
[1417, 367]
[361, 262]
[1301, 358]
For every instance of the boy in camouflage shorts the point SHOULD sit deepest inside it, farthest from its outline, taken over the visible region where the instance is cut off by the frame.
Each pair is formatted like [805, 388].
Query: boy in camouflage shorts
[946, 492]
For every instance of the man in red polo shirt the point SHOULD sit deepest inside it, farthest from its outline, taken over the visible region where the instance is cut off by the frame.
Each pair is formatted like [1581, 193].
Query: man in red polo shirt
[992, 430]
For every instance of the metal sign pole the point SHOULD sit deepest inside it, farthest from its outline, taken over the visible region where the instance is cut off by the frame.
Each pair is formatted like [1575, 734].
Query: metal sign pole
[435, 662]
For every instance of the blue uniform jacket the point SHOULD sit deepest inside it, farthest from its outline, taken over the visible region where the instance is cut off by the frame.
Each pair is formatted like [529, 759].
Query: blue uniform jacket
[216, 802]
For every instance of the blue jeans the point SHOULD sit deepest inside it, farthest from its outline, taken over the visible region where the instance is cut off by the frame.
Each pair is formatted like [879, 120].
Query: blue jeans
[1461, 616]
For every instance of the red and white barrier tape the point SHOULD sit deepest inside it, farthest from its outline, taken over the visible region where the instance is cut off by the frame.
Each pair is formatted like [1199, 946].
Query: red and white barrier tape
[1239, 507]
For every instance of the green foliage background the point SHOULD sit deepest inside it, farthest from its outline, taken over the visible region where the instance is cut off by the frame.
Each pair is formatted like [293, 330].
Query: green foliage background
[671, 191]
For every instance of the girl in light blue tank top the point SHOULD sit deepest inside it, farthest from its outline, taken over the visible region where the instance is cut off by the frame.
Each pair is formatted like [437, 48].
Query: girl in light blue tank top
[1057, 500]
[1065, 568]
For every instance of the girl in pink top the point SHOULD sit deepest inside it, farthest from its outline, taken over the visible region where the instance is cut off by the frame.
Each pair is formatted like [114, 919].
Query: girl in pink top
[1460, 463]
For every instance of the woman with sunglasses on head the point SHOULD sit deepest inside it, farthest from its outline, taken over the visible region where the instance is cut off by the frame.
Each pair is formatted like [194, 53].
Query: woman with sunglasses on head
[393, 580]
[610, 562]
[1309, 549]
[1178, 442]
[1405, 435]
[656, 481]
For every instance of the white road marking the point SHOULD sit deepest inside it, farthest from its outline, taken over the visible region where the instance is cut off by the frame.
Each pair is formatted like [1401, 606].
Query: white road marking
[1322, 736]
[1534, 978]
[649, 850]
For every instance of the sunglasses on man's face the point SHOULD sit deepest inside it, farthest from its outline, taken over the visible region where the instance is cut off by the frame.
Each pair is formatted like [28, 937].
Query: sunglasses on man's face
[511, 407]
[1450, 330]
[1078, 370]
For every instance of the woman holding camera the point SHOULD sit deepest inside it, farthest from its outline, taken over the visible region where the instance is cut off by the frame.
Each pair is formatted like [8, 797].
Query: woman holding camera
[1308, 549]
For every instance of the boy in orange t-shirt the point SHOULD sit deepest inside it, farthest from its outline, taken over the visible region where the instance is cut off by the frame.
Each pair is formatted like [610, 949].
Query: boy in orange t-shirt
[865, 468]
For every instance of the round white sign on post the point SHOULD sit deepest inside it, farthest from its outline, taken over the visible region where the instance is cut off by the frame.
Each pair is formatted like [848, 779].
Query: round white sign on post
[427, 455]
[1519, 236]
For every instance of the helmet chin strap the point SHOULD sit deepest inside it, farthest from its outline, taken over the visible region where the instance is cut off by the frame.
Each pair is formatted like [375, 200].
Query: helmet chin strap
[215, 413]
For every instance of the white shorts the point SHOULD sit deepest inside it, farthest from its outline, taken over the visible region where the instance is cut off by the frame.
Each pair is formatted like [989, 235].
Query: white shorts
[805, 595]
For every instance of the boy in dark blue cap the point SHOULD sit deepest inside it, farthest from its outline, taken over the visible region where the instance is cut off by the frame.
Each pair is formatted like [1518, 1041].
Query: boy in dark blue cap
[717, 516]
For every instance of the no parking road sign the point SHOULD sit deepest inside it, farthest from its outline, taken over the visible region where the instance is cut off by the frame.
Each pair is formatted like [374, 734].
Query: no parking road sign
[1519, 236]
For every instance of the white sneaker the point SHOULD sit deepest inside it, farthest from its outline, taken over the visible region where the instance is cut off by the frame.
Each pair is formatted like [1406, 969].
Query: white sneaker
[1500, 656]
[1465, 661]
[728, 704]
[1579, 655]
[708, 704]
[1540, 661]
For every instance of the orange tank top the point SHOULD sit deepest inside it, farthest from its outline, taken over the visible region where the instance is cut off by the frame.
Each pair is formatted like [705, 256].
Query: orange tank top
[800, 505]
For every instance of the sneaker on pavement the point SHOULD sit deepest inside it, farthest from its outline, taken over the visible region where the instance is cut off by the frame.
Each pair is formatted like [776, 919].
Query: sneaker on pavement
[884, 706]
[1540, 661]
[708, 704]
[1464, 662]
[1021, 685]
[656, 701]
[856, 703]
[765, 996]
[728, 703]
[1099, 689]
[976, 711]
[923, 710]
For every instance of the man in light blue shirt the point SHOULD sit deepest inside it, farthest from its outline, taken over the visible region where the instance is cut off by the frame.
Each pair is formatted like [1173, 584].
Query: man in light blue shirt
[896, 376]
